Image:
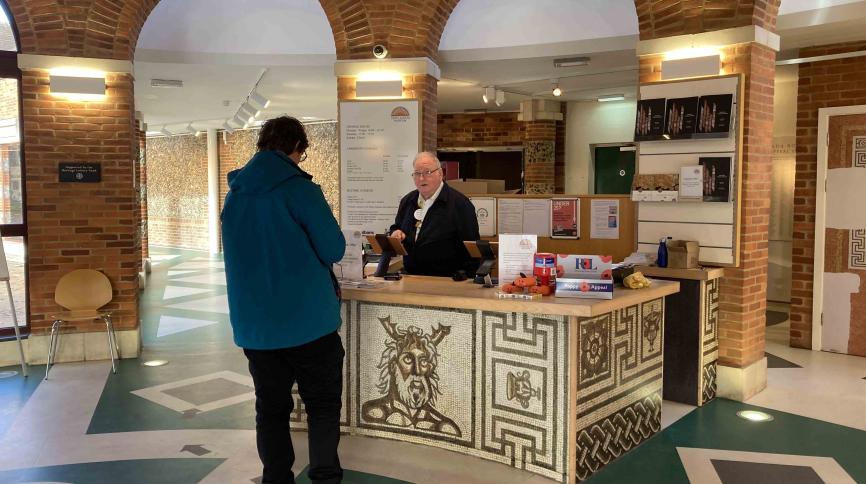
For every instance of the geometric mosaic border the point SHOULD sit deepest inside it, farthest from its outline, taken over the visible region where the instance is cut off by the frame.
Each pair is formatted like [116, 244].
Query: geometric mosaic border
[709, 341]
[857, 252]
[858, 152]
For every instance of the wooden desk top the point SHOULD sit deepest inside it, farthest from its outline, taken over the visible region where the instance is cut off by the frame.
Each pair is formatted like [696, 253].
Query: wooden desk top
[703, 274]
[443, 292]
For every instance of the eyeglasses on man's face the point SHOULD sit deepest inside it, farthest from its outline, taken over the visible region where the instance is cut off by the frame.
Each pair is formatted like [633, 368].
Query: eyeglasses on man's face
[424, 174]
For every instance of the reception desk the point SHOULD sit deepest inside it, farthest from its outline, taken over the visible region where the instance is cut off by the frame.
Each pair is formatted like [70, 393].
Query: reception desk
[559, 387]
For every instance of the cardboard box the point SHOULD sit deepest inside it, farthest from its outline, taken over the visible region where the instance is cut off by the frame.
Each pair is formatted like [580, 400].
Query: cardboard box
[469, 188]
[683, 254]
[493, 186]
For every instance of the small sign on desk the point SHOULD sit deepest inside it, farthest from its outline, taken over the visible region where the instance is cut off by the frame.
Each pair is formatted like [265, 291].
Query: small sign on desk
[79, 172]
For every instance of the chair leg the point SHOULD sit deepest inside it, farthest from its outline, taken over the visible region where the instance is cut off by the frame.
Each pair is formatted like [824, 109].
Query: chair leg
[111, 347]
[114, 338]
[52, 346]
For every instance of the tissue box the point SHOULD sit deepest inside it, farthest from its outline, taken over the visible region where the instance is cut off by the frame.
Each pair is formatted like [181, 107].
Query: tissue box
[683, 254]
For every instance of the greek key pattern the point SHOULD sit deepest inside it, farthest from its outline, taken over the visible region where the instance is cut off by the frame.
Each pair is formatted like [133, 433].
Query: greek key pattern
[610, 437]
[523, 407]
[710, 339]
[708, 380]
[858, 156]
[619, 363]
[857, 252]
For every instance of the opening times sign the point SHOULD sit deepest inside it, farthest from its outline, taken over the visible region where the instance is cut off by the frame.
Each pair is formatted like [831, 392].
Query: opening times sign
[378, 142]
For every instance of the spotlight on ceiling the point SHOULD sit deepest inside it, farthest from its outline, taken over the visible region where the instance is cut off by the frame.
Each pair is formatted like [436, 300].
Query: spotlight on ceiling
[238, 120]
[500, 97]
[196, 132]
[262, 101]
[228, 128]
[556, 90]
[489, 94]
[249, 113]
[611, 97]
[165, 131]
[571, 62]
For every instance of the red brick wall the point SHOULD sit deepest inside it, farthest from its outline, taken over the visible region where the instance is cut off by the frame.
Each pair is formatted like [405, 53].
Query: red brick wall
[821, 85]
[744, 289]
[559, 160]
[81, 225]
[488, 129]
[667, 18]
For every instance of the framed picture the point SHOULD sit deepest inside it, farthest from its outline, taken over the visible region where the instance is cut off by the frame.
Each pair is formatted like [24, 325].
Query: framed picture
[680, 118]
[714, 116]
[717, 178]
[650, 121]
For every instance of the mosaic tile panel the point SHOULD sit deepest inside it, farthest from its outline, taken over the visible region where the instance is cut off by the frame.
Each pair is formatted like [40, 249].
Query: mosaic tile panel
[619, 381]
[539, 152]
[857, 250]
[858, 152]
[411, 374]
[710, 340]
[523, 374]
[299, 414]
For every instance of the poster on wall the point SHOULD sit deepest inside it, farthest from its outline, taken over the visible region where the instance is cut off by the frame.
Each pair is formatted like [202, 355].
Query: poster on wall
[565, 218]
[650, 122]
[714, 116]
[604, 219]
[485, 212]
[717, 178]
[680, 118]
[378, 142]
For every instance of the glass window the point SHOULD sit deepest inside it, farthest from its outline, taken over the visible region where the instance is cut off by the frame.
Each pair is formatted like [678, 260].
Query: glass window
[15, 253]
[7, 36]
[11, 198]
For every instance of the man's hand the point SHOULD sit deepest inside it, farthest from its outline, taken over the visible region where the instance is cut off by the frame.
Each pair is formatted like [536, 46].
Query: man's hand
[398, 234]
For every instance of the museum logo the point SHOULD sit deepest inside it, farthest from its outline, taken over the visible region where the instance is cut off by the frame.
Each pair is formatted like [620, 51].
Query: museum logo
[400, 114]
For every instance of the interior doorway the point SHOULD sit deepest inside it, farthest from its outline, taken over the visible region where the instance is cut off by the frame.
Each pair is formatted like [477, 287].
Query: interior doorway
[613, 168]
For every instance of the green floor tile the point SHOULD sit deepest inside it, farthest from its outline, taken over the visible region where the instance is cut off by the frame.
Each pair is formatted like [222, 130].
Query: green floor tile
[151, 471]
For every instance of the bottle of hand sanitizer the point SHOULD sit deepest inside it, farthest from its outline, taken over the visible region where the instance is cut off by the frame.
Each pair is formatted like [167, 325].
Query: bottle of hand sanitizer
[662, 260]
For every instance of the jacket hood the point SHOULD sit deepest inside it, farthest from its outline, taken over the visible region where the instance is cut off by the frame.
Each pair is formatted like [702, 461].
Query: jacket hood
[264, 172]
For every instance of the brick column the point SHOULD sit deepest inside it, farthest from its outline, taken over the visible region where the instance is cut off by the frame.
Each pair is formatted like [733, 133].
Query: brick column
[743, 294]
[81, 225]
[539, 147]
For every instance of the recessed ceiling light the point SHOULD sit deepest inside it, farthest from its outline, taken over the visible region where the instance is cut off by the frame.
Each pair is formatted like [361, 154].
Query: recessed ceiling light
[754, 416]
[611, 97]
[155, 363]
[307, 118]
[571, 62]
[172, 83]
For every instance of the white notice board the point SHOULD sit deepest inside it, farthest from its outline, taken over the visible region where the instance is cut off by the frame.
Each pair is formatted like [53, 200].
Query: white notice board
[378, 142]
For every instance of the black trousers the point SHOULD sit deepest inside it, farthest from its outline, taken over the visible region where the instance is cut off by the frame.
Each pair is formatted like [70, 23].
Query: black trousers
[317, 367]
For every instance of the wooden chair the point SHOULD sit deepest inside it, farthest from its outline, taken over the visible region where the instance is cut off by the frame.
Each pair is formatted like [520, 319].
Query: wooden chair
[82, 292]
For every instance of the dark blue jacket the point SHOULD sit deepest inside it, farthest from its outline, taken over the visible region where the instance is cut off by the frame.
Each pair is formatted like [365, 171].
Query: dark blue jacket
[279, 241]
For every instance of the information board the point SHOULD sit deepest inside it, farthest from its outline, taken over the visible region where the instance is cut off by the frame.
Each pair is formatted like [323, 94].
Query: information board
[378, 143]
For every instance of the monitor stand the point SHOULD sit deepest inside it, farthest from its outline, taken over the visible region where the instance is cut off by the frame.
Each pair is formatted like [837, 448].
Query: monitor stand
[488, 258]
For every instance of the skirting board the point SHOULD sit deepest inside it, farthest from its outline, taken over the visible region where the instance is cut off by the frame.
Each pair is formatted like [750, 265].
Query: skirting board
[740, 384]
[73, 347]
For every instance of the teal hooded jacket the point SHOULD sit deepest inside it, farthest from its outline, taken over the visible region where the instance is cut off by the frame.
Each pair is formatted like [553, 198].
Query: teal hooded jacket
[279, 241]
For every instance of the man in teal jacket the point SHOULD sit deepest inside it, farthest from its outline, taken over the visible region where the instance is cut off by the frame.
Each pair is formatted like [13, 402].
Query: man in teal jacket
[279, 240]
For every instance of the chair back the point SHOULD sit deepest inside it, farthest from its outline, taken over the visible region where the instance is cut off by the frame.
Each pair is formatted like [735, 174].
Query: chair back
[83, 289]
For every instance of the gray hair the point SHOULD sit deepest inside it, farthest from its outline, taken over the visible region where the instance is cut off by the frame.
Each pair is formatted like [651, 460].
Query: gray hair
[427, 154]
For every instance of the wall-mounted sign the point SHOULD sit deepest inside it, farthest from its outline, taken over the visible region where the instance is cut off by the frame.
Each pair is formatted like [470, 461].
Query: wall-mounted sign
[79, 172]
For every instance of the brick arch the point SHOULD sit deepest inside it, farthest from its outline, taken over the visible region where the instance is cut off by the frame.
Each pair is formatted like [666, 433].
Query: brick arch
[663, 19]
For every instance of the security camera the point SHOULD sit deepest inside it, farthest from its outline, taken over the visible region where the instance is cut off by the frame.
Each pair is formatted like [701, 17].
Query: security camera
[380, 51]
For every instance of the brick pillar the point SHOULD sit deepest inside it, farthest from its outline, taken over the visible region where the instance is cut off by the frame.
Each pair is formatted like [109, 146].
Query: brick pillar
[423, 87]
[81, 225]
[743, 294]
[539, 146]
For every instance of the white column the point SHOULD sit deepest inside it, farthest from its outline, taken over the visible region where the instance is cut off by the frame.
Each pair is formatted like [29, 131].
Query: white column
[213, 183]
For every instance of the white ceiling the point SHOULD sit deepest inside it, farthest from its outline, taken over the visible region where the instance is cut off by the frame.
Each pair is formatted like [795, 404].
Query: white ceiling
[220, 47]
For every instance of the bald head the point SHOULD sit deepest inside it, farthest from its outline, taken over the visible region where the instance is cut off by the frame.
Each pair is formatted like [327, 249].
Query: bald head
[427, 173]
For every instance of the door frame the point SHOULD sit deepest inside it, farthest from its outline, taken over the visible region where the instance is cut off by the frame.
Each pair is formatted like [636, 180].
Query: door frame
[592, 146]
[824, 115]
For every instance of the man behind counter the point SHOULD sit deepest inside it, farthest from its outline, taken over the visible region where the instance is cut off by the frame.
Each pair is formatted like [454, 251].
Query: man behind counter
[433, 221]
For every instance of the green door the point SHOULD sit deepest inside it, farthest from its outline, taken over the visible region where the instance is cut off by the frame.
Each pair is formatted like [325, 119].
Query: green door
[614, 170]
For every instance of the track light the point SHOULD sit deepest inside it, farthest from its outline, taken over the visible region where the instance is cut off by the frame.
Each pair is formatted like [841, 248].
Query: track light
[196, 132]
[237, 120]
[249, 112]
[228, 128]
[165, 131]
[500, 97]
[260, 100]
[489, 94]
[556, 90]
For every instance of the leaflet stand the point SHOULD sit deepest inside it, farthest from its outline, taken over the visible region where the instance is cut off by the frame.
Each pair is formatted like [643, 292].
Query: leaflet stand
[486, 251]
[4, 276]
[388, 247]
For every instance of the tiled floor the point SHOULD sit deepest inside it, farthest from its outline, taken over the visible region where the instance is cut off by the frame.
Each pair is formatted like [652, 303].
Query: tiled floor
[192, 419]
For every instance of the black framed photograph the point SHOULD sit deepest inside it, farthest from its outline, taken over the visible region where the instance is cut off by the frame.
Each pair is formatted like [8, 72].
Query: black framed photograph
[650, 121]
[717, 178]
[714, 115]
[681, 118]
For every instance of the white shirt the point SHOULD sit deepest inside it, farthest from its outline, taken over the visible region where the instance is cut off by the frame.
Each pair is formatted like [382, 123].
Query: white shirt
[425, 206]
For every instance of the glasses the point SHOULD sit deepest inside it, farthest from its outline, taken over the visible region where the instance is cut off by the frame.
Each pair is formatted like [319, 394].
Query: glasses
[425, 173]
[303, 156]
